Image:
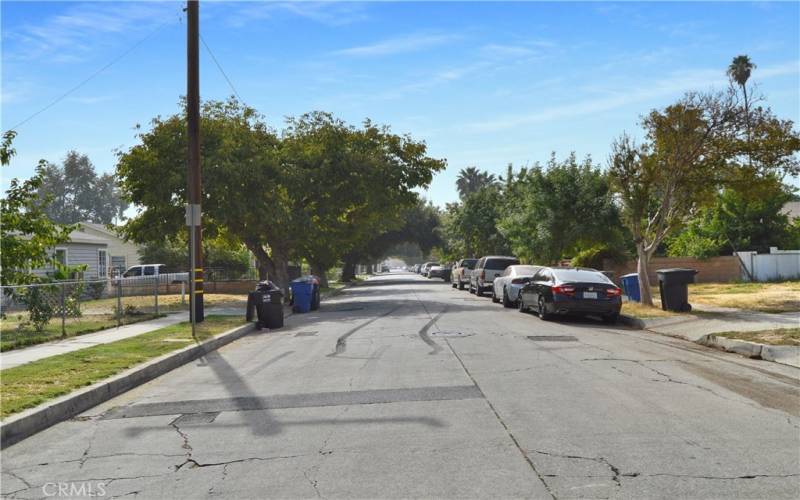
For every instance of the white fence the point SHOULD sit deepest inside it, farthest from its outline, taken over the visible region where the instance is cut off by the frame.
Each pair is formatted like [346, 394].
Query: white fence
[776, 265]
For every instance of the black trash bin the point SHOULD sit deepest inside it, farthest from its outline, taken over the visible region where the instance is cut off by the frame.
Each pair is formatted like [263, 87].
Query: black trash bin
[673, 285]
[267, 301]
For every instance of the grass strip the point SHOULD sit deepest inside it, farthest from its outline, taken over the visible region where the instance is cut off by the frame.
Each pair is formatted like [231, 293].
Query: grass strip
[31, 384]
[780, 336]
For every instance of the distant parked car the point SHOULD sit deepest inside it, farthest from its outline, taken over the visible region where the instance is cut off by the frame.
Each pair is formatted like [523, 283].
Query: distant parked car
[426, 267]
[385, 269]
[486, 270]
[509, 284]
[439, 271]
[564, 291]
[461, 271]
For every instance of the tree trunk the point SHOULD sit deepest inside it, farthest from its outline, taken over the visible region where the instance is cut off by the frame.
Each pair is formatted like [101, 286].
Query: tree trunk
[349, 270]
[643, 268]
[321, 273]
[369, 269]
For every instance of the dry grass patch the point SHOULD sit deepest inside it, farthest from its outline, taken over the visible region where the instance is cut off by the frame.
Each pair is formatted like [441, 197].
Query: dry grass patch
[764, 297]
[639, 310]
[781, 336]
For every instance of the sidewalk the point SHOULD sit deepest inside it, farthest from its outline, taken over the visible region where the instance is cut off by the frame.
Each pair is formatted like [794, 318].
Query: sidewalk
[720, 319]
[16, 357]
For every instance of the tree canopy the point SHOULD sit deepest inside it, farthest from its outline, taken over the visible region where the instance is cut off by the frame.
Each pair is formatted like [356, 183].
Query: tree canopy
[78, 194]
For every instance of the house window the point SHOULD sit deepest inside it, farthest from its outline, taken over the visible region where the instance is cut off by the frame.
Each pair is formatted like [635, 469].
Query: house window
[60, 256]
[102, 263]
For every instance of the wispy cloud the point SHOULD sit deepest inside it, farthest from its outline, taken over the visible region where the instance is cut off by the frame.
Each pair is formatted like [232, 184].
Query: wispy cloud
[676, 83]
[327, 13]
[71, 34]
[390, 46]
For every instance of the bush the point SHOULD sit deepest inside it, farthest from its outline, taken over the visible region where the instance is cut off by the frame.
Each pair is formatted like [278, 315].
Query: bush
[95, 289]
[40, 300]
[594, 256]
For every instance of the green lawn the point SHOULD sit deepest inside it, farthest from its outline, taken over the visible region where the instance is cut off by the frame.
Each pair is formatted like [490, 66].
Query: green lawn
[12, 337]
[31, 384]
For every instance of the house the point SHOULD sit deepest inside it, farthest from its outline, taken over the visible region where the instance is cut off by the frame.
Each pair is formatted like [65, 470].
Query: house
[121, 254]
[81, 249]
[792, 209]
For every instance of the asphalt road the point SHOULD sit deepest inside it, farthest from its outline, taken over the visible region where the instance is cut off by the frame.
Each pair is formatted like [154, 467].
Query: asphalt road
[405, 387]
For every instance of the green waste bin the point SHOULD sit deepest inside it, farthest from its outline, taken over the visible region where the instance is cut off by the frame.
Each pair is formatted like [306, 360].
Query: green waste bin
[673, 284]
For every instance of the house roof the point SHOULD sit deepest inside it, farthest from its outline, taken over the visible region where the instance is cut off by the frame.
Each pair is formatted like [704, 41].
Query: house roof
[99, 227]
[79, 236]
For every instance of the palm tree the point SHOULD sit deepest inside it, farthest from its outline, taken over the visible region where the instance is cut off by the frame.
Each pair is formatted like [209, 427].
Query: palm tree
[471, 179]
[739, 71]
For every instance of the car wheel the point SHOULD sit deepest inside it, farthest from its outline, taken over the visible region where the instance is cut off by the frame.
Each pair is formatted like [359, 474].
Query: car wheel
[460, 285]
[521, 305]
[543, 314]
[506, 301]
[471, 290]
[611, 319]
[494, 296]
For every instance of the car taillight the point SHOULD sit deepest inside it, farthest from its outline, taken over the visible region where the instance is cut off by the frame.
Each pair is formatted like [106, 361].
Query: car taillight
[564, 290]
[613, 292]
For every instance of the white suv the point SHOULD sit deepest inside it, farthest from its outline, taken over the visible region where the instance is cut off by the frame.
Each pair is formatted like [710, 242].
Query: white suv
[486, 270]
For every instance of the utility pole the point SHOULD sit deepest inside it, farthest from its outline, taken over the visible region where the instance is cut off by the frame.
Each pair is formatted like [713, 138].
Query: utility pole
[195, 187]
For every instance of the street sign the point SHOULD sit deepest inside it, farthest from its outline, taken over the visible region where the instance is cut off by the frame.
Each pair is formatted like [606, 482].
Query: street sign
[193, 215]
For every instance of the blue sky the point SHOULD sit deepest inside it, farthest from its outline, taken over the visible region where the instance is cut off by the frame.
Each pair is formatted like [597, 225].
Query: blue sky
[483, 84]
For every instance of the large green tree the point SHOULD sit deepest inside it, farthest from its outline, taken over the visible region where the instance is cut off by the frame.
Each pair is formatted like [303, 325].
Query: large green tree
[316, 192]
[740, 221]
[78, 194]
[556, 211]
[27, 234]
[353, 184]
[470, 227]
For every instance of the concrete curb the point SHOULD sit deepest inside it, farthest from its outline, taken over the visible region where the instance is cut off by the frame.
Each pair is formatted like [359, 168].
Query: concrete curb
[25, 424]
[631, 321]
[783, 354]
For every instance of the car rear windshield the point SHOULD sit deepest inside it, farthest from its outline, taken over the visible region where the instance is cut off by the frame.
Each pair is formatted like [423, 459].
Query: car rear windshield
[526, 270]
[469, 263]
[578, 275]
[500, 264]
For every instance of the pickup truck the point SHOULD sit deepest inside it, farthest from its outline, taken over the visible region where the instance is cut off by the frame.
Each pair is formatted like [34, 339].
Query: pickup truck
[150, 271]
[461, 272]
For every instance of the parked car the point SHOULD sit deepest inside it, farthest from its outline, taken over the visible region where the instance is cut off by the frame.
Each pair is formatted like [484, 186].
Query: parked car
[486, 270]
[151, 271]
[461, 271]
[385, 269]
[439, 271]
[580, 291]
[426, 267]
[508, 285]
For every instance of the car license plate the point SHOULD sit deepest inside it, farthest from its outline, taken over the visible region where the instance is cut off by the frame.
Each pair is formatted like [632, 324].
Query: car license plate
[589, 295]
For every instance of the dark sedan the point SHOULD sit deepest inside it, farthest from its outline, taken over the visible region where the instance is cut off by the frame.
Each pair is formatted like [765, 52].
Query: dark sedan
[579, 291]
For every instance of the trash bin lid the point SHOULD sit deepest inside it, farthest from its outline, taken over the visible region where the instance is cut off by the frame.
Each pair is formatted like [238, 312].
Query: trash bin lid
[630, 275]
[676, 270]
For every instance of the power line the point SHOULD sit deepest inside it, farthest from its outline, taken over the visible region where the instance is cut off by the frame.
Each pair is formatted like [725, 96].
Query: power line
[92, 76]
[219, 67]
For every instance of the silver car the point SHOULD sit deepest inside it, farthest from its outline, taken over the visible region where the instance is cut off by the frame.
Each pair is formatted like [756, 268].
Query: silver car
[508, 285]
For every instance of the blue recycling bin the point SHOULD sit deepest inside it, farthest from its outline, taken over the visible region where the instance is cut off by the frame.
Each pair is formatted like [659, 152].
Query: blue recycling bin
[302, 296]
[630, 284]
